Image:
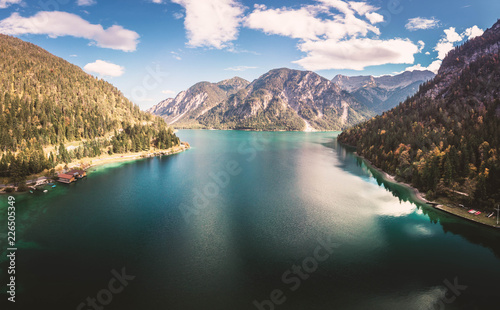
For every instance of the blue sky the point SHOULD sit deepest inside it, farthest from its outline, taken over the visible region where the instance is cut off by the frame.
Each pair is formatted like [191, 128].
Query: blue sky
[152, 49]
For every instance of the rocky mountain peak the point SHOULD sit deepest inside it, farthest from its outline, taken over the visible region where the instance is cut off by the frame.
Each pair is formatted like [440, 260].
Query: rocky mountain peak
[461, 57]
[232, 85]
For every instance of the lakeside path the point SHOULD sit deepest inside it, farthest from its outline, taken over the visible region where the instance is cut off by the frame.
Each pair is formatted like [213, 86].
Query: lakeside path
[456, 211]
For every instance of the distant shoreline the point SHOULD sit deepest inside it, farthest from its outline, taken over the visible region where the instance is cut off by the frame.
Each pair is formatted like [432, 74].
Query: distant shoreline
[257, 130]
[456, 211]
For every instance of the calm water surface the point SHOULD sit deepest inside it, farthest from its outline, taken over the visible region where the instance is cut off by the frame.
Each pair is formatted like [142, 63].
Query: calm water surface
[243, 217]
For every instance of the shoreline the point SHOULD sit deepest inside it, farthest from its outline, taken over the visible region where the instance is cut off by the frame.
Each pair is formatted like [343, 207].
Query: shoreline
[390, 178]
[107, 159]
[99, 161]
[455, 211]
[259, 130]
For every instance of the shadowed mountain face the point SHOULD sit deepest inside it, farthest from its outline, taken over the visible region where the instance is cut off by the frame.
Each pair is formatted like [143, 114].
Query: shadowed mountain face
[383, 93]
[281, 99]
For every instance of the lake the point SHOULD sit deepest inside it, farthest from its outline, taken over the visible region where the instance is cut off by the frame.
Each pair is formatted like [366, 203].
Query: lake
[246, 220]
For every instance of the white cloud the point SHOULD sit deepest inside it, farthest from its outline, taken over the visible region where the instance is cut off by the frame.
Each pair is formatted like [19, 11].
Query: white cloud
[417, 67]
[421, 46]
[452, 36]
[157, 1]
[446, 43]
[104, 68]
[339, 5]
[374, 18]
[443, 47]
[300, 24]
[211, 23]
[232, 49]
[356, 53]
[473, 32]
[178, 15]
[305, 23]
[434, 67]
[168, 92]
[240, 68]
[330, 31]
[6, 3]
[56, 24]
[362, 8]
[176, 55]
[334, 34]
[85, 2]
[420, 23]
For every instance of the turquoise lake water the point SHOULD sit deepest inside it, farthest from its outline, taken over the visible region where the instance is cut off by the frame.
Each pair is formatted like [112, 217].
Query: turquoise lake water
[246, 220]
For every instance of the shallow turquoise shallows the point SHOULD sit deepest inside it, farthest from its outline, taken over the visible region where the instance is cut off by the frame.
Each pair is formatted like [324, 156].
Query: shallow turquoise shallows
[246, 220]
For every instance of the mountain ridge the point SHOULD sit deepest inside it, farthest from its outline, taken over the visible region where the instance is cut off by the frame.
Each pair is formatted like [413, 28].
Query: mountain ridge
[291, 100]
[385, 92]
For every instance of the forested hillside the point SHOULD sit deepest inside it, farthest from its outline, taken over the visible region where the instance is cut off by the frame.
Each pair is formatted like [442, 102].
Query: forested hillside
[46, 101]
[445, 140]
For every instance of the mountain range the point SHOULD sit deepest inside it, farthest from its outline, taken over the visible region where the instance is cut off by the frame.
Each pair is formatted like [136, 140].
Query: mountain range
[445, 140]
[285, 99]
[383, 93]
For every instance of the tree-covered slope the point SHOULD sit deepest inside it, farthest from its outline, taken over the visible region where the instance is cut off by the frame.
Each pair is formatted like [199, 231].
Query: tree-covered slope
[445, 140]
[46, 101]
